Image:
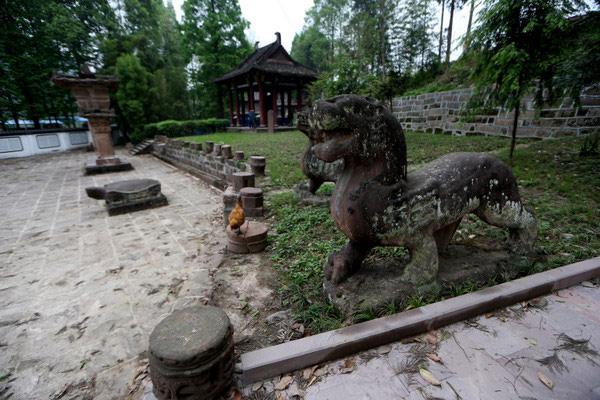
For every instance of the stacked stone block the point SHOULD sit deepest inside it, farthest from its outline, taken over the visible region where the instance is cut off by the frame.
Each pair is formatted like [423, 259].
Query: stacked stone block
[447, 112]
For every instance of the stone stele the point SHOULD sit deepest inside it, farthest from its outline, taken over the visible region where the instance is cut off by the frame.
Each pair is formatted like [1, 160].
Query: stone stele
[377, 203]
[191, 355]
[130, 195]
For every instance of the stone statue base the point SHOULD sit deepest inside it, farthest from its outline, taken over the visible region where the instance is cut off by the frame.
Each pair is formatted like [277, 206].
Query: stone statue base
[378, 284]
[131, 195]
[105, 165]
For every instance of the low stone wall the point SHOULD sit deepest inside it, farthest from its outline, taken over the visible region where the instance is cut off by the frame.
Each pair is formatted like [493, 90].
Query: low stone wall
[446, 112]
[210, 165]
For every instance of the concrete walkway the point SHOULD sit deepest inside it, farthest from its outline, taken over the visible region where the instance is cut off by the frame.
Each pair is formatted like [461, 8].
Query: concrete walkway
[504, 355]
[81, 291]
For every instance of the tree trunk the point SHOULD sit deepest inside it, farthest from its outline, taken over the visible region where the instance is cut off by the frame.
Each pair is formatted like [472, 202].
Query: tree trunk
[468, 37]
[449, 44]
[513, 139]
[441, 32]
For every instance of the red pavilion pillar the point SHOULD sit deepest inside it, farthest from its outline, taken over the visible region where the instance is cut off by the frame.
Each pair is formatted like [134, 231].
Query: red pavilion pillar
[237, 105]
[274, 101]
[230, 108]
[262, 99]
[289, 104]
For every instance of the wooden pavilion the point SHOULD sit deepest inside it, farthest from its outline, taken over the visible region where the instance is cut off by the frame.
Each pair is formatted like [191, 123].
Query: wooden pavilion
[268, 79]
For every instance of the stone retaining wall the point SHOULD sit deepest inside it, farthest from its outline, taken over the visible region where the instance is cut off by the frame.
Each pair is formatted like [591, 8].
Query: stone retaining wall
[446, 112]
[210, 167]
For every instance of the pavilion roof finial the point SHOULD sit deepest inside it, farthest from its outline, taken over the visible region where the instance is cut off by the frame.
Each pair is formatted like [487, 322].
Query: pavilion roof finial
[278, 37]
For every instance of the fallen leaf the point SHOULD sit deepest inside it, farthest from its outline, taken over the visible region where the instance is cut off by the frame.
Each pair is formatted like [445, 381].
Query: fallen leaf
[279, 396]
[434, 357]
[489, 315]
[320, 371]
[284, 382]
[431, 338]
[384, 349]
[546, 381]
[256, 387]
[588, 284]
[308, 372]
[428, 376]
[532, 342]
[314, 378]
[348, 367]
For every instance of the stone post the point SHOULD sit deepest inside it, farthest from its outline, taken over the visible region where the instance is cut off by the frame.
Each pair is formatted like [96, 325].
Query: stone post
[191, 355]
[258, 164]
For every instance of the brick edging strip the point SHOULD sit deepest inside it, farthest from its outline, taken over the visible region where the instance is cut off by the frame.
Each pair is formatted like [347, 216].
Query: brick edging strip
[290, 356]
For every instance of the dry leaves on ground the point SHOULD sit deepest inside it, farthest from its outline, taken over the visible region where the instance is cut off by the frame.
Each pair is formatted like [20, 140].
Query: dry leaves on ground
[284, 382]
[546, 381]
[429, 377]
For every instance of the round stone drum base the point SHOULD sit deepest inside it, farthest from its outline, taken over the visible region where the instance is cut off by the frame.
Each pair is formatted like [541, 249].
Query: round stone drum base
[191, 355]
[251, 238]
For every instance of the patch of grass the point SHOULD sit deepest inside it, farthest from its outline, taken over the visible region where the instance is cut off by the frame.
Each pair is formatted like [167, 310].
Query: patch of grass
[305, 236]
[284, 150]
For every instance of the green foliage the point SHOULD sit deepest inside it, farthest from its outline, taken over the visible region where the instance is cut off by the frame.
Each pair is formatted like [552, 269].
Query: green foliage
[518, 44]
[300, 263]
[589, 147]
[311, 47]
[216, 44]
[135, 95]
[38, 38]
[172, 128]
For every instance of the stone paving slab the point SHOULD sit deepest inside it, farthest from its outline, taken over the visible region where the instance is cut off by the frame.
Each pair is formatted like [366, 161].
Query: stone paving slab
[80, 291]
[494, 356]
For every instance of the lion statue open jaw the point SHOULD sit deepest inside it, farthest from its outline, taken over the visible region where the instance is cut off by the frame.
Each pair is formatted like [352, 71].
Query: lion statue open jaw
[377, 203]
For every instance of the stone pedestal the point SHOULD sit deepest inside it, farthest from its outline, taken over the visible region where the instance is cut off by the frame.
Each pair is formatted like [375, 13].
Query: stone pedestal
[208, 147]
[239, 155]
[242, 180]
[226, 151]
[257, 165]
[252, 201]
[378, 283]
[131, 195]
[251, 238]
[191, 355]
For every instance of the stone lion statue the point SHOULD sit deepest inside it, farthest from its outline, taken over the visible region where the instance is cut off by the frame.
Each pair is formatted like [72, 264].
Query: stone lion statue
[377, 203]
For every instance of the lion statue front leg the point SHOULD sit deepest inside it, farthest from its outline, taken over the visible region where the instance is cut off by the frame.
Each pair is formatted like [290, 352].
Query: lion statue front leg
[345, 262]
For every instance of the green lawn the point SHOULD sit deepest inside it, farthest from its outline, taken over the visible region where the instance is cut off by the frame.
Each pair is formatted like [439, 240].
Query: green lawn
[284, 150]
[561, 187]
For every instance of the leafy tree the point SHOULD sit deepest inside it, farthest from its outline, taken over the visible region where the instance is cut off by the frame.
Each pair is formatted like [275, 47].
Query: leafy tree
[311, 48]
[519, 44]
[40, 37]
[454, 5]
[215, 42]
[135, 96]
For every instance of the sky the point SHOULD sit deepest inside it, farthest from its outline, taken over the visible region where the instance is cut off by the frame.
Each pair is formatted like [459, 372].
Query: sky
[287, 17]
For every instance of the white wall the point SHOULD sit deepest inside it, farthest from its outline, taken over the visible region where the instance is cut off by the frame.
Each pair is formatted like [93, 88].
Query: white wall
[25, 145]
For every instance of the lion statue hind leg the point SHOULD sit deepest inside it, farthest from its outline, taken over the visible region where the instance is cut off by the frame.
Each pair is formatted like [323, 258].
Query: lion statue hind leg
[520, 223]
[423, 266]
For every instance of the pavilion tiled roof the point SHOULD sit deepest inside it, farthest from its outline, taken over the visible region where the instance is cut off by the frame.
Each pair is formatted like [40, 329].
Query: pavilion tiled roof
[261, 60]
